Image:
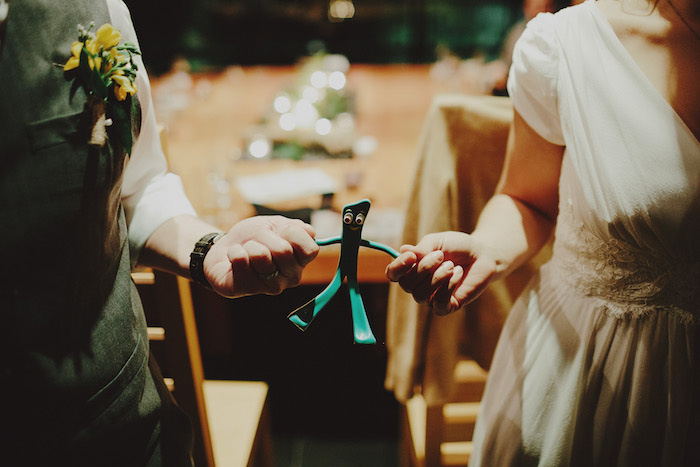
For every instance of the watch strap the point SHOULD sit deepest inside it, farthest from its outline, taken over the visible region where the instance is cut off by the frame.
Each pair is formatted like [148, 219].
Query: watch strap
[201, 248]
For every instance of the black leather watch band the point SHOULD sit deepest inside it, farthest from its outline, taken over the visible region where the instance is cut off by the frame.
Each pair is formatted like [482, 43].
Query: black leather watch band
[201, 248]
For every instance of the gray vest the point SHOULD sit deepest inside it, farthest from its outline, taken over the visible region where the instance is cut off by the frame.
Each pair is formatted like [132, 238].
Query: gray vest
[72, 332]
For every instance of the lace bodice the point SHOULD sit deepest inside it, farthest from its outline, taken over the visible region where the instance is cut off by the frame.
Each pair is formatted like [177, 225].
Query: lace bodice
[626, 279]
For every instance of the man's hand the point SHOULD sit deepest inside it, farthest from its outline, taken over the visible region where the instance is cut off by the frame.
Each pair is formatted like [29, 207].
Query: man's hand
[264, 254]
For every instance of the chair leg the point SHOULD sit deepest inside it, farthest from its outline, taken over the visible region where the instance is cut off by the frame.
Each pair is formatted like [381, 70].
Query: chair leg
[262, 452]
[433, 435]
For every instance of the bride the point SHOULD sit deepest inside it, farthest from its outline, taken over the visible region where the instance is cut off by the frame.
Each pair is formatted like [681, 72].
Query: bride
[599, 361]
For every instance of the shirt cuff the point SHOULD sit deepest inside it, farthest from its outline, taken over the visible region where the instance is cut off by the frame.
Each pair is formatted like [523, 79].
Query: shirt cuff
[163, 199]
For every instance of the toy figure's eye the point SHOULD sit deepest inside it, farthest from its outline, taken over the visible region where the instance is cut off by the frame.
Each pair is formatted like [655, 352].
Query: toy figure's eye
[360, 219]
[347, 218]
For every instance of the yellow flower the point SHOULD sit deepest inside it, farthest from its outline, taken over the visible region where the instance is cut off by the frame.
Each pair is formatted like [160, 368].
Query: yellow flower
[74, 61]
[107, 37]
[123, 86]
[112, 60]
[93, 54]
[106, 64]
[91, 46]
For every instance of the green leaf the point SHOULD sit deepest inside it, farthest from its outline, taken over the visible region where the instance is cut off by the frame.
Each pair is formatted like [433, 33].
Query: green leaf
[121, 123]
[97, 84]
[91, 78]
[84, 69]
[128, 46]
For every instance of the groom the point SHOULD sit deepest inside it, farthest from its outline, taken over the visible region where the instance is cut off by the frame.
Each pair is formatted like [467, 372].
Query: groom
[77, 384]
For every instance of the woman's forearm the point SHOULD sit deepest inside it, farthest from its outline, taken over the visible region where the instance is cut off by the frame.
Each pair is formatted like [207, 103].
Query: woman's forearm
[512, 232]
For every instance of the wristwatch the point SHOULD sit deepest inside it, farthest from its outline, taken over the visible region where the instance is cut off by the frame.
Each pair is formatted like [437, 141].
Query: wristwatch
[201, 248]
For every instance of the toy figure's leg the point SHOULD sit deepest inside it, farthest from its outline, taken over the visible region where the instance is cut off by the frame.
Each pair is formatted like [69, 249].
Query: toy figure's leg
[360, 323]
[303, 315]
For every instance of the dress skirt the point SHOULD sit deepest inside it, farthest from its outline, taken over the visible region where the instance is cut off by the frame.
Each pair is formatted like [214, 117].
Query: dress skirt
[572, 384]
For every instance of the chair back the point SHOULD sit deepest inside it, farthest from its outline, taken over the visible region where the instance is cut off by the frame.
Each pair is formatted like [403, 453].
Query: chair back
[175, 343]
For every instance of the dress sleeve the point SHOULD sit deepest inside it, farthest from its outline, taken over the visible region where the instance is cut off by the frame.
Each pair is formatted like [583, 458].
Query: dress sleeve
[534, 76]
[150, 194]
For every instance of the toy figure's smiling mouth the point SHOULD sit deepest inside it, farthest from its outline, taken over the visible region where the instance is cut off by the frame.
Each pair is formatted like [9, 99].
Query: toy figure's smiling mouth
[354, 222]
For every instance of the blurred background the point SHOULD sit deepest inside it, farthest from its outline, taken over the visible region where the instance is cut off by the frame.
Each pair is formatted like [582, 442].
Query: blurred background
[218, 33]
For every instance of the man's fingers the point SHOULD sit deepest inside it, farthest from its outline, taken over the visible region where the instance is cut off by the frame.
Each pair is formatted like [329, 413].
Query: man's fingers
[302, 242]
[260, 257]
[237, 255]
[252, 270]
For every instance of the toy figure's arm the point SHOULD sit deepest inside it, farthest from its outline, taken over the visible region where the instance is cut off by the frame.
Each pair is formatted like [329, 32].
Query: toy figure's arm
[379, 246]
[327, 241]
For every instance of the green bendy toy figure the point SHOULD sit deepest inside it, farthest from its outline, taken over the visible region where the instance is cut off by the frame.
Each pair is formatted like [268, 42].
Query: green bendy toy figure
[350, 242]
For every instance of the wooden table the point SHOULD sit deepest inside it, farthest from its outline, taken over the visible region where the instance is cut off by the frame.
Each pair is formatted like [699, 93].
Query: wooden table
[216, 111]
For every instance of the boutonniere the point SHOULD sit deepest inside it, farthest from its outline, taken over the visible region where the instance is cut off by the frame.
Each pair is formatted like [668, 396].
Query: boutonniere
[106, 71]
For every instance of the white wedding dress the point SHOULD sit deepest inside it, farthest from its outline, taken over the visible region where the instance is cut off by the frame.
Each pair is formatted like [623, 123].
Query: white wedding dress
[599, 361]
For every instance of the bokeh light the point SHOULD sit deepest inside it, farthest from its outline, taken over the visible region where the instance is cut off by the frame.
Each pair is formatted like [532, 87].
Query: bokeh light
[282, 104]
[323, 126]
[259, 147]
[336, 80]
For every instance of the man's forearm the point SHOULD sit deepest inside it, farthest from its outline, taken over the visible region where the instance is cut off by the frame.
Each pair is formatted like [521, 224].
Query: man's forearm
[169, 246]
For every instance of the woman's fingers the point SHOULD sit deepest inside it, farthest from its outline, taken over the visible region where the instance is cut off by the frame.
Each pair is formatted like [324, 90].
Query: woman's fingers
[401, 265]
[443, 301]
[418, 280]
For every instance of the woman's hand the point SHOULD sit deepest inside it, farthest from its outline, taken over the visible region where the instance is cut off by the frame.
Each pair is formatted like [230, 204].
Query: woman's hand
[446, 270]
[450, 269]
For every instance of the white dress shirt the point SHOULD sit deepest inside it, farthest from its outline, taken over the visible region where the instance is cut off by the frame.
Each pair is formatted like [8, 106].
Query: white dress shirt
[150, 194]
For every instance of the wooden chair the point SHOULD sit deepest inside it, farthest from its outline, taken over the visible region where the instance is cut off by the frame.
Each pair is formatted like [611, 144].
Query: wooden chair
[440, 435]
[459, 161]
[229, 418]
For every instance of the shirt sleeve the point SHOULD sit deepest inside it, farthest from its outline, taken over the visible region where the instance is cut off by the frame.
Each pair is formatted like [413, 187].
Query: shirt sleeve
[534, 75]
[150, 194]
